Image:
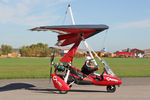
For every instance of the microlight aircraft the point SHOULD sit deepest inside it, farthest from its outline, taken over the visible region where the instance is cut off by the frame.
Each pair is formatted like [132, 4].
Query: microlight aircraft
[65, 75]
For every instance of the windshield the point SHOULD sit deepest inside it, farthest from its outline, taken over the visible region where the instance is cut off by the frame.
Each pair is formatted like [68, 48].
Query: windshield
[108, 70]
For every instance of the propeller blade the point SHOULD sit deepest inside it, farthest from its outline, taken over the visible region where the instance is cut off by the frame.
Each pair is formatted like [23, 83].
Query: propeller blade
[51, 63]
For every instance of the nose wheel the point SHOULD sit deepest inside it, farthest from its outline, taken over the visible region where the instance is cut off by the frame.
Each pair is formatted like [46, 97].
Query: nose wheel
[63, 92]
[111, 88]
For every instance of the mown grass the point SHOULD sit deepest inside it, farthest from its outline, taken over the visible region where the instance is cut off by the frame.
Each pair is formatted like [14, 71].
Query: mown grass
[129, 67]
[24, 67]
[39, 67]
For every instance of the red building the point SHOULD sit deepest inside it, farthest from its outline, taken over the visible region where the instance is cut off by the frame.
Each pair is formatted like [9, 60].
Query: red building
[130, 53]
[138, 53]
[125, 54]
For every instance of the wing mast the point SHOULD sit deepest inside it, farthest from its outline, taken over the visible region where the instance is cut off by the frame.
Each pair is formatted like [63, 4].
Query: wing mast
[71, 14]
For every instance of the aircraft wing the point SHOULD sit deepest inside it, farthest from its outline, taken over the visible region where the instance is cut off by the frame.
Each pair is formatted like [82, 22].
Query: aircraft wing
[68, 34]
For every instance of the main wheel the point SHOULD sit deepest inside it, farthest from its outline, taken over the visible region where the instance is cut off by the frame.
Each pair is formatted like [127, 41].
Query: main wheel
[63, 92]
[111, 88]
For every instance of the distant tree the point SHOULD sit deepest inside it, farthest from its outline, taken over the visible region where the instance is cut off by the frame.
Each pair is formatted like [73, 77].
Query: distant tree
[35, 50]
[5, 49]
[54, 50]
[25, 51]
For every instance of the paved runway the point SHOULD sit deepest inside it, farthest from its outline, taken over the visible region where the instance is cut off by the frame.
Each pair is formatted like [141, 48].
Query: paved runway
[40, 89]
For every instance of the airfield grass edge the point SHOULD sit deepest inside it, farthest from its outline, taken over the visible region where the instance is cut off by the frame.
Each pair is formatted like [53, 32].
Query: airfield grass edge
[17, 68]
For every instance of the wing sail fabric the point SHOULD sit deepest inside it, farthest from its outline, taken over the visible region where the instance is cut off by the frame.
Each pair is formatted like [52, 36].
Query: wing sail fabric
[69, 34]
[69, 56]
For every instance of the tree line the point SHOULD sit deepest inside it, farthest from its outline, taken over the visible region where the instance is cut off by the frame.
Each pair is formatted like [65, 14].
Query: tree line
[34, 50]
[5, 49]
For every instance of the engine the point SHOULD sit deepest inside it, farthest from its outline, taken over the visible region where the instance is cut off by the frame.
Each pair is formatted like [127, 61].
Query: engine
[60, 69]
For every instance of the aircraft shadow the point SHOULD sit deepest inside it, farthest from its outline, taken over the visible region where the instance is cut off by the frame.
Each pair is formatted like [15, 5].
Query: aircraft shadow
[76, 90]
[16, 86]
[55, 91]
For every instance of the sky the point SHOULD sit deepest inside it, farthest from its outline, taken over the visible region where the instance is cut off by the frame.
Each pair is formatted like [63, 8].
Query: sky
[128, 21]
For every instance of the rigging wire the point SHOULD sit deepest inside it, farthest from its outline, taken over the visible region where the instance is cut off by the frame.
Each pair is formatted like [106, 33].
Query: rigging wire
[66, 12]
[104, 41]
[65, 16]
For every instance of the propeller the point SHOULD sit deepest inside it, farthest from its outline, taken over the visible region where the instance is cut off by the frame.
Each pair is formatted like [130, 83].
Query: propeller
[51, 65]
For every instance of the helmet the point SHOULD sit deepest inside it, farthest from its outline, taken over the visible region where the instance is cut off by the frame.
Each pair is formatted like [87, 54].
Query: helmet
[88, 58]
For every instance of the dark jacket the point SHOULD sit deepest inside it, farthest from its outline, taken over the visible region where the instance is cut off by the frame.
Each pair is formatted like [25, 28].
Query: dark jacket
[87, 69]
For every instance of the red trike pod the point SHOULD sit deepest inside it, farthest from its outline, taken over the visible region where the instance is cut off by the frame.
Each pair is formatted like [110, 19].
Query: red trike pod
[59, 83]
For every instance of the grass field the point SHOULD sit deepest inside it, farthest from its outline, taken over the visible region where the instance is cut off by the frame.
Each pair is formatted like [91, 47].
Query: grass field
[39, 67]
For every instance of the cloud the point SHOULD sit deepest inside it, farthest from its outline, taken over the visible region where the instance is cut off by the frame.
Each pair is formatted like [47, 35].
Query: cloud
[28, 12]
[5, 1]
[137, 24]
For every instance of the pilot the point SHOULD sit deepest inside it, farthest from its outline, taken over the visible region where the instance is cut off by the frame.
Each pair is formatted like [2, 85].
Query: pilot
[87, 67]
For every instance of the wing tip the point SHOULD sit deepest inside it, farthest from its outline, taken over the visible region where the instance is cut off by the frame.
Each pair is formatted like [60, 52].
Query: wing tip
[38, 29]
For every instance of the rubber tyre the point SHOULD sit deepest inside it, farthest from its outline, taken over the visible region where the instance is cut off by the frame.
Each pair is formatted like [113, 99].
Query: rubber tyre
[111, 89]
[63, 92]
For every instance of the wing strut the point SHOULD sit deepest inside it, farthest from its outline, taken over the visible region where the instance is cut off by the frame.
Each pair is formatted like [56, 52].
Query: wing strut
[90, 51]
[109, 71]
